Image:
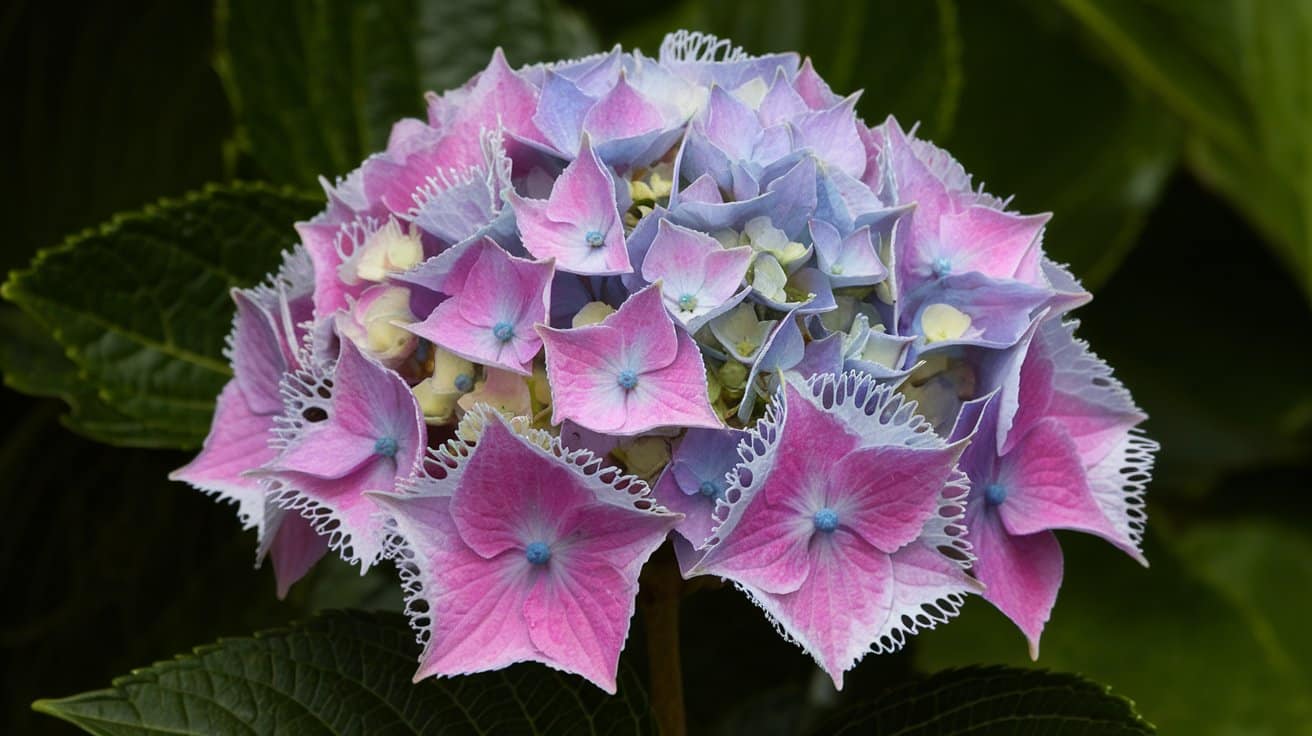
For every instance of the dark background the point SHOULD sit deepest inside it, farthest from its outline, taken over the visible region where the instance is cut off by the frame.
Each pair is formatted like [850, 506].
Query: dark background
[107, 566]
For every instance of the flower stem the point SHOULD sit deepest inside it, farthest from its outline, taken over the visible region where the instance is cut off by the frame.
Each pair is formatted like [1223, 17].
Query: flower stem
[661, 588]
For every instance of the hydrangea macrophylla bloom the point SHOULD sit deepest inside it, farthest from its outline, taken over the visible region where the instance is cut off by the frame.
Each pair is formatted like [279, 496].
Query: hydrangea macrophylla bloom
[264, 344]
[708, 61]
[503, 391]
[832, 134]
[458, 206]
[579, 224]
[953, 228]
[708, 269]
[850, 260]
[1017, 500]
[572, 293]
[292, 544]
[524, 551]
[699, 279]
[730, 145]
[1098, 413]
[787, 353]
[694, 482]
[497, 98]
[452, 378]
[873, 351]
[808, 291]
[490, 318]
[813, 520]
[741, 333]
[972, 308]
[633, 372]
[356, 255]
[245, 411]
[629, 125]
[372, 324]
[368, 435]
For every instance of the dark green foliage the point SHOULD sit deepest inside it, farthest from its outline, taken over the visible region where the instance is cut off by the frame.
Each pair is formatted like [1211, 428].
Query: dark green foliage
[346, 673]
[349, 673]
[141, 308]
[981, 701]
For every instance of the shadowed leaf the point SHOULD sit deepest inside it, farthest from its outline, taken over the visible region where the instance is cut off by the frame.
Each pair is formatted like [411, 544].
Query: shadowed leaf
[981, 701]
[346, 673]
[140, 308]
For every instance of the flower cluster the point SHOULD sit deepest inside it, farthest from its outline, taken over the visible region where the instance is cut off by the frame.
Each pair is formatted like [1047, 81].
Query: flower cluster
[591, 305]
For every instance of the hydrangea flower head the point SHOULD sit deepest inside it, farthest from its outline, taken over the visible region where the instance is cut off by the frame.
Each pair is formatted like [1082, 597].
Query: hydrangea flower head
[585, 306]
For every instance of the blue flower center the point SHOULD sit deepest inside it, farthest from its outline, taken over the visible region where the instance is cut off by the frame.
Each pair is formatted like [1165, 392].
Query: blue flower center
[537, 553]
[464, 383]
[594, 239]
[826, 520]
[687, 302]
[385, 446]
[941, 266]
[995, 494]
[709, 489]
[627, 379]
[503, 331]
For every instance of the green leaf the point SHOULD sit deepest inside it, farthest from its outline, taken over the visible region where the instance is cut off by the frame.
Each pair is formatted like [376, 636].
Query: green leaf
[140, 308]
[33, 363]
[317, 85]
[1236, 72]
[979, 78]
[993, 700]
[1188, 654]
[345, 673]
